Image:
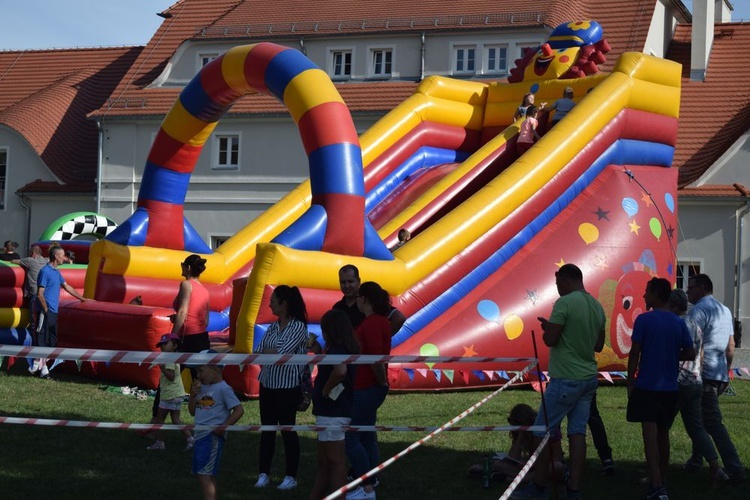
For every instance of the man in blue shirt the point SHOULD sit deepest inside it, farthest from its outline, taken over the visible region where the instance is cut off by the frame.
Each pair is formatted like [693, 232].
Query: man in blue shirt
[49, 283]
[715, 320]
[660, 340]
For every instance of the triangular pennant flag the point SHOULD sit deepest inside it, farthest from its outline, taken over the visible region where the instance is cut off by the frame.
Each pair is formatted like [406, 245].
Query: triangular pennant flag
[410, 373]
[449, 374]
[79, 363]
[537, 386]
[490, 374]
[241, 367]
[731, 374]
[422, 371]
[438, 374]
[503, 374]
[478, 374]
[607, 377]
[745, 370]
[544, 376]
[108, 363]
[465, 376]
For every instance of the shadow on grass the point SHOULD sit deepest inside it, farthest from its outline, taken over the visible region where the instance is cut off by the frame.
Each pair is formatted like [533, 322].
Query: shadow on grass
[82, 463]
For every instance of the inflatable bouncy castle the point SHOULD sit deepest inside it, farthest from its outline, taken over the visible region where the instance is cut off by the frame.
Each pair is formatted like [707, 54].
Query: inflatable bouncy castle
[490, 226]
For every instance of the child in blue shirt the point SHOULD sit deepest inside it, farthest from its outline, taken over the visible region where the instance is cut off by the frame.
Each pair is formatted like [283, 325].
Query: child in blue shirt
[212, 402]
[563, 106]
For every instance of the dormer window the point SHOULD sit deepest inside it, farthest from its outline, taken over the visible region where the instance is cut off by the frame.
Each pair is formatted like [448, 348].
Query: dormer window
[340, 64]
[464, 59]
[381, 63]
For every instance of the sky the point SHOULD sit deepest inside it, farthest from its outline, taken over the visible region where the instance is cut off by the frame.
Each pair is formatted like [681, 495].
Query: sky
[45, 24]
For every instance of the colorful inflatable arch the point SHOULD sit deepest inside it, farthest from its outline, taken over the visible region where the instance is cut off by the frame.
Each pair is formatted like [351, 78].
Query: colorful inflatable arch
[490, 226]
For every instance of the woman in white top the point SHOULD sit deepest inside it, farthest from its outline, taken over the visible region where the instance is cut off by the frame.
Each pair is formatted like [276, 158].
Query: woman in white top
[280, 385]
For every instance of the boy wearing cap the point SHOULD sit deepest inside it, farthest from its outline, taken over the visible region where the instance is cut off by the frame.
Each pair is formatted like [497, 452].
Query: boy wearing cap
[212, 402]
[562, 106]
[171, 392]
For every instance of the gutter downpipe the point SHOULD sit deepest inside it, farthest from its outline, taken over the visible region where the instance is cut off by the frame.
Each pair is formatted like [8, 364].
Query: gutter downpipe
[28, 220]
[421, 58]
[99, 156]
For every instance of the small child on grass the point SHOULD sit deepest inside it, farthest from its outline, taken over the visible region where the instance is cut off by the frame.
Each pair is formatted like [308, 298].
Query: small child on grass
[171, 392]
[212, 402]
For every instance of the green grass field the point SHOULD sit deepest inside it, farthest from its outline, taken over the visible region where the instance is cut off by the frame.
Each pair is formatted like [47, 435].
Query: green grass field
[46, 462]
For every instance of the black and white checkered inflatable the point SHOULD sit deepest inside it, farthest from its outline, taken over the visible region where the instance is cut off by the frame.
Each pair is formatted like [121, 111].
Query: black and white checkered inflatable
[84, 224]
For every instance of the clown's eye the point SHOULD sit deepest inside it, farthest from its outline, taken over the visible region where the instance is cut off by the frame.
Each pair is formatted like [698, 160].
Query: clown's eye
[627, 302]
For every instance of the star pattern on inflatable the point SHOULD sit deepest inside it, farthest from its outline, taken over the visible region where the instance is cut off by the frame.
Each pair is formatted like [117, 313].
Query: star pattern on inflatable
[645, 198]
[601, 214]
[634, 227]
[469, 351]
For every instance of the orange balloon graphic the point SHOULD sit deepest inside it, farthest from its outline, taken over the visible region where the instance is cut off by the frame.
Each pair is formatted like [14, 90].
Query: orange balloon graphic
[588, 232]
[513, 326]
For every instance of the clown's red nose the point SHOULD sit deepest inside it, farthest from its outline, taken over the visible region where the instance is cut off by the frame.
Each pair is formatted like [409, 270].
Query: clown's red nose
[546, 50]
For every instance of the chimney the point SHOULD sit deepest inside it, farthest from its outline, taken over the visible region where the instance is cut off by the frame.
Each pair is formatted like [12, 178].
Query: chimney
[702, 38]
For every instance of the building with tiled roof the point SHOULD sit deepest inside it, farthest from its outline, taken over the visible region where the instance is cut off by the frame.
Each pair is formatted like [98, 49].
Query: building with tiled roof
[418, 39]
[48, 146]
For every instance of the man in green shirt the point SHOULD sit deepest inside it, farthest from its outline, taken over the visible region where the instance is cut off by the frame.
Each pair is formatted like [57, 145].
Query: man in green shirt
[574, 333]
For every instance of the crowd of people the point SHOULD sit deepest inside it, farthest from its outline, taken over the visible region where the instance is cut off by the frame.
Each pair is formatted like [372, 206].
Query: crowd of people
[678, 364]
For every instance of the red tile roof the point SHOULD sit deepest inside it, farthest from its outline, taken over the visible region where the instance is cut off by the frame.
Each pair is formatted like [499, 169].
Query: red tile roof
[716, 112]
[46, 94]
[40, 186]
[245, 21]
[715, 191]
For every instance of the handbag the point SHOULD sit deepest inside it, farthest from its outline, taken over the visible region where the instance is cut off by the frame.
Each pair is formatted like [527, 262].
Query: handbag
[305, 389]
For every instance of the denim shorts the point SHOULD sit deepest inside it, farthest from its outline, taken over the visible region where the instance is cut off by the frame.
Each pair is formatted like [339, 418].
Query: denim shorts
[332, 434]
[571, 398]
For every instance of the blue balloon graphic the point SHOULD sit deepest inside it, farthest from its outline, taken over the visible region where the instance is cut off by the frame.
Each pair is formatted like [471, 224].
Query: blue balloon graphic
[670, 201]
[534, 88]
[630, 206]
[488, 310]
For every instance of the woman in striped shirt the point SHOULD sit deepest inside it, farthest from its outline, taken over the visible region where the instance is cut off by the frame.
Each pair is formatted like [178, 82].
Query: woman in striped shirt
[280, 385]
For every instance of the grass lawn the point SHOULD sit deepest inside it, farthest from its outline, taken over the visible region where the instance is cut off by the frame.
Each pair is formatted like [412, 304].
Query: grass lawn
[45, 462]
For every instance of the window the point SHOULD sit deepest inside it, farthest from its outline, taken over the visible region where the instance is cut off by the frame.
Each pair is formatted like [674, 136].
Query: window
[495, 59]
[3, 173]
[204, 59]
[341, 64]
[217, 241]
[685, 270]
[464, 59]
[522, 47]
[382, 59]
[226, 152]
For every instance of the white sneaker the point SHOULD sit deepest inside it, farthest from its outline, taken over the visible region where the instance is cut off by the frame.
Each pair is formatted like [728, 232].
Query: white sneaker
[158, 445]
[289, 483]
[262, 481]
[35, 367]
[45, 371]
[360, 494]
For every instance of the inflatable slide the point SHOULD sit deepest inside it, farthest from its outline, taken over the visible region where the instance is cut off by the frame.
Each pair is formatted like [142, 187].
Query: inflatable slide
[490, 226]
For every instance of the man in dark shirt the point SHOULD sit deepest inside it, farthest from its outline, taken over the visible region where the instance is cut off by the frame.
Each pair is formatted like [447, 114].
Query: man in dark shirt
[349, 283]
[9, 251]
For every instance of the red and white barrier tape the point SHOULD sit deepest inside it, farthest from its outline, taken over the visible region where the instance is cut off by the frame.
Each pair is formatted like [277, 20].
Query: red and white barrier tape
[525, 469]
[156, 357]
[258, 428]
[416, 444]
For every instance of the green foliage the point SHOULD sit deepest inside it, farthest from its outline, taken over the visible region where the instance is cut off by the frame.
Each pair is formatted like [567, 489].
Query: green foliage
[62, 463]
